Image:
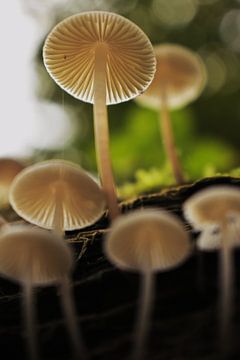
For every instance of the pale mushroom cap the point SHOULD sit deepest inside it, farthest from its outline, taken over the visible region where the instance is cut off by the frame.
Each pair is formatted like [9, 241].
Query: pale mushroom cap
[147, 240]
[69, 56]
[213, 206]
[180, 74]
[9, 168]
[35, 256]
[3, 221]
[38, 189]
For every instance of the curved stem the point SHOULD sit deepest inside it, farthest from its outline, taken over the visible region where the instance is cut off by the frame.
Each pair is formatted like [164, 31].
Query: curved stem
[144, 314]
[29, 318]
[71, 319]
[102, 132]
[168, 140]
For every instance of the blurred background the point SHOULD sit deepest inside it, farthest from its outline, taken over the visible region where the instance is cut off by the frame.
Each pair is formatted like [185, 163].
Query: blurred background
[40, 121]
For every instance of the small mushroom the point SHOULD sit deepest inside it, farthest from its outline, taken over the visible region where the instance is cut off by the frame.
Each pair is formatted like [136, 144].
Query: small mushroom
[179, 79]
[215, 212]
[9, 168]
[101, 58]
[3, 222]
[57, 194]
[35, 257]
[146, 241]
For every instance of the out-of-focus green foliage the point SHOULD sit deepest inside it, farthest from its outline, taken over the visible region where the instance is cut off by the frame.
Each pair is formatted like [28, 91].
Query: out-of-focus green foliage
[200, 157]
[147, 181]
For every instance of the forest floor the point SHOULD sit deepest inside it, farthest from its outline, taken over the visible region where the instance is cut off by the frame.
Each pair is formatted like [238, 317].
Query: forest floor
[185, 318]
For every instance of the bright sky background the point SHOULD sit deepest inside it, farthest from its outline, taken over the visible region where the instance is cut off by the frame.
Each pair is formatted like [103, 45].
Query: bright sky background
[26, 123]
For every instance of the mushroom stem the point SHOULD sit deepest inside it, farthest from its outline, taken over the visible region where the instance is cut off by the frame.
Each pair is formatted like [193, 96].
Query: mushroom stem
[58, 218]
[102, 132]
[145, 308]
[168, 139]
[227, 280]
[71, 319]
[29, 318]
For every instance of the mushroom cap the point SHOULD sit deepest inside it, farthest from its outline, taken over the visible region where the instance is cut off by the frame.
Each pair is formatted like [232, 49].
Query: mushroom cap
[69, 56]
[213, 206]
[180, 76]
[147, 240]
[3, 221]
[37, 190]
[35, 256]
[9, 168]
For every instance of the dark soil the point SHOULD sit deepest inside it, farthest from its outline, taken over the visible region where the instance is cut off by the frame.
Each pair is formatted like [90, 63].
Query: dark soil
[185, 321]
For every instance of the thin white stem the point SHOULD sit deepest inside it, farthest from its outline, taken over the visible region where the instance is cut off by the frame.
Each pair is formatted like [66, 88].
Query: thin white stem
[226, 285]
[144, 316]
[29, 319]
[102, 132]
[168, 139]
[71, 320]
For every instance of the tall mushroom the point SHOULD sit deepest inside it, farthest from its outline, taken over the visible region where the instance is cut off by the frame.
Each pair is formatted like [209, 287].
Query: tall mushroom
[35, 257]
[101, 58]
[58, 195]
[146, 241]
[179, 79]
[215, 212]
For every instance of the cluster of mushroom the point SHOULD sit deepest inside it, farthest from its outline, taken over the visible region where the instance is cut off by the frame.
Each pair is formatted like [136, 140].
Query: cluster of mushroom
[97, 57]
[56, 195]
[153, 240]
[104, 59]
[91, 57]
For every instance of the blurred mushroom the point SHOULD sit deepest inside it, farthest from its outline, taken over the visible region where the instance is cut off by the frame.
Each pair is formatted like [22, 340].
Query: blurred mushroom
[9, 168]
[215, 212]
[57, 194]
[3, 222]
[101, 58]
[146, 241]
[179, 79]
[35, 257]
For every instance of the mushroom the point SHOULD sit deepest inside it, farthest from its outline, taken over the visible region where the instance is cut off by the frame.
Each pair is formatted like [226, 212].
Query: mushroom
[215, 212]
[146, 241]
[101, 58]
[9, 168]
[3, 221]
[179, 79]
[35, 257]
[57, 194]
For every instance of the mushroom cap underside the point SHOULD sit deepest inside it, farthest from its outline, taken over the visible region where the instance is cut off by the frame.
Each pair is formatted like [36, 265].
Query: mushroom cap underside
[69, 56]
[147, 240]
[215, 205]
[33, 256]
[57, 186]
[180, 77]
